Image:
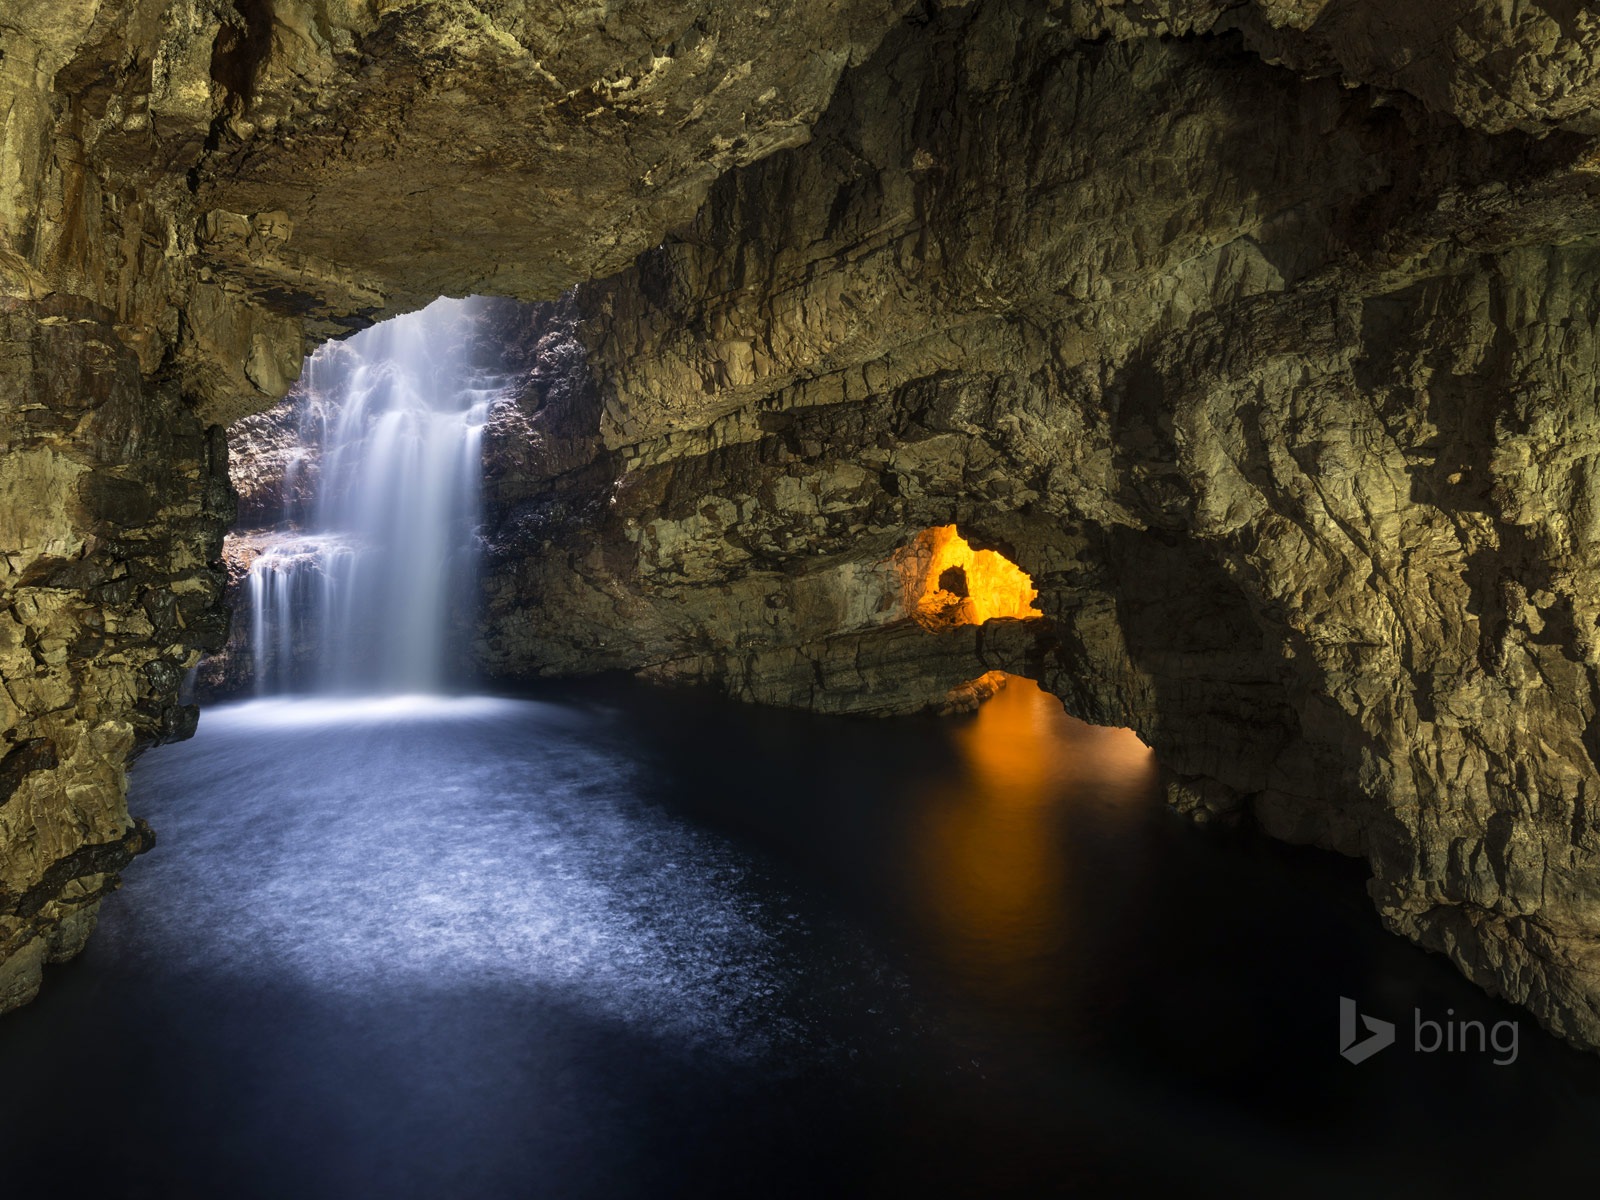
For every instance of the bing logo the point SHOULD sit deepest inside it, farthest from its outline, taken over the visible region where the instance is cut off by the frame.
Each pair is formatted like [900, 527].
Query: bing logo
[1429, 1037]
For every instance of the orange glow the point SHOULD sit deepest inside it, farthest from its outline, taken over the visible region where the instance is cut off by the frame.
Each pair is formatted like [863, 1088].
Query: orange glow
[996, 846]
[963, 586]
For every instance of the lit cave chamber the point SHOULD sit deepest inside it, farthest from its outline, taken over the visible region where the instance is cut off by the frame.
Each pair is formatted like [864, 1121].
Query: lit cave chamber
[842, 599]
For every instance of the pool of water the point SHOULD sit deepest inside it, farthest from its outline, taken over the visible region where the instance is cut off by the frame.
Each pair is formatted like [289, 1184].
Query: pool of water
[608, 941]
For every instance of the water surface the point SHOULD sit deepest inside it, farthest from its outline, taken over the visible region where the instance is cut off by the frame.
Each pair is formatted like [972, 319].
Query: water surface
[605, 941]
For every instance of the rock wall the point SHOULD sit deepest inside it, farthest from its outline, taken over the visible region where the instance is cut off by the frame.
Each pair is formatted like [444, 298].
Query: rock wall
[114, 498]
[193, 190]
[1259, 333]
[1276, 386]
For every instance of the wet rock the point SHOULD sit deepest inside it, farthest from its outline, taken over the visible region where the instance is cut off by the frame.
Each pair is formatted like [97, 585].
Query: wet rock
[1258, 334]
[1268, 382]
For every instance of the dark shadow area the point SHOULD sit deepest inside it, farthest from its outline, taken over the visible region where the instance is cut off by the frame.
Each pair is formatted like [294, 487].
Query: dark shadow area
[243, 42]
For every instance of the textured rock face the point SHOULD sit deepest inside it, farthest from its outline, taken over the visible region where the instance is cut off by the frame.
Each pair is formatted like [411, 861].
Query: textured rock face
[1259, 334]
[187, 190]
[114, 497]
[1274, 386]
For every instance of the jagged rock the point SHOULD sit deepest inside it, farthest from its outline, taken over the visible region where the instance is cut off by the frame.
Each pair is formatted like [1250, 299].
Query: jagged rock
[1201, 799]
[1259, 334]
[1265, 381]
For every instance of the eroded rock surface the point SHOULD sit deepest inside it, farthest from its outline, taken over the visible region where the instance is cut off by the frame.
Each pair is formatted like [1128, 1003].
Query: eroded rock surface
[1261, 335]
[190, 191]
[113, 498]
[1277, 388]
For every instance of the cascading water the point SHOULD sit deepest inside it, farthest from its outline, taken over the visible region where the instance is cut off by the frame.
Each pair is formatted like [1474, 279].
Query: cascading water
[382, 568]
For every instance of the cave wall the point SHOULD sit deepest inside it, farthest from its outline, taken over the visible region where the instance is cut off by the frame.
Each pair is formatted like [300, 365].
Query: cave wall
[114, 498]
[191, 194]
[1260, 334]
[1278, 387]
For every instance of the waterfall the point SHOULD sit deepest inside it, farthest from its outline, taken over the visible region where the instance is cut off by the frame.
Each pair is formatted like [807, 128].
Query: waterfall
[364, 595]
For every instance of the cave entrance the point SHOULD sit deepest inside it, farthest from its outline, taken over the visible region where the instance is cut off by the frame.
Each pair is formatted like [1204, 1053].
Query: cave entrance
[946, 584]
[360, 495]
[953, 584]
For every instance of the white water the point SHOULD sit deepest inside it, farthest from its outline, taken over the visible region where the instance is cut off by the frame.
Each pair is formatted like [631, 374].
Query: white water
[384, 566]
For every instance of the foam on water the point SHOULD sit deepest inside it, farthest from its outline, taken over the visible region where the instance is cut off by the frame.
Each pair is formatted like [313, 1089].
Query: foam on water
[415, 842]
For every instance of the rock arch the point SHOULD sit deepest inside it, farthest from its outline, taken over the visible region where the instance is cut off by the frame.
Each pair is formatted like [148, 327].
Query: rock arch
[1267, 399]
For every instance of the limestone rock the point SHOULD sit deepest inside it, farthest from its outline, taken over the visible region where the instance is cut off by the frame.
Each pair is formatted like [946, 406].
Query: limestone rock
[1259, 334]
[1271, 385]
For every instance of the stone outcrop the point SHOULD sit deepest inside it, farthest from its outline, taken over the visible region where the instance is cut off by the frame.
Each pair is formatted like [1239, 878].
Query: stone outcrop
[191, 191]
[115, 497]
[1272, 385]
[1258, 333]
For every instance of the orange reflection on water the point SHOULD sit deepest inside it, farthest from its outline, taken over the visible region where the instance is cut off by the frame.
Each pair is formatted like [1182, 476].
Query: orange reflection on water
[995, 849]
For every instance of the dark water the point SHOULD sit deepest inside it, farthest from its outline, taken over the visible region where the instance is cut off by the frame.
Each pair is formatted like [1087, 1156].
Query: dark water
[611, 942]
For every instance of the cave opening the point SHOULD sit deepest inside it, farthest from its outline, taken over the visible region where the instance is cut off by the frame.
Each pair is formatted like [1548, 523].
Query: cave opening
[1249, 347]
[354, 568]
[958, 585]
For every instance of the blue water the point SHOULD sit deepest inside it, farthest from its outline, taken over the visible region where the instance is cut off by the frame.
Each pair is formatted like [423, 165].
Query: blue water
[606, 941]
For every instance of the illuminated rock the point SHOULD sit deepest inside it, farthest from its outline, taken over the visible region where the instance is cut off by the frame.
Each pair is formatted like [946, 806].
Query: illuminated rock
[1276, 380]
[963, 586]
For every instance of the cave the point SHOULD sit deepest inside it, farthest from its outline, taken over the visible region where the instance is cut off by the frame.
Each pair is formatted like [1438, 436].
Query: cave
[963, 586]
[817, 599]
